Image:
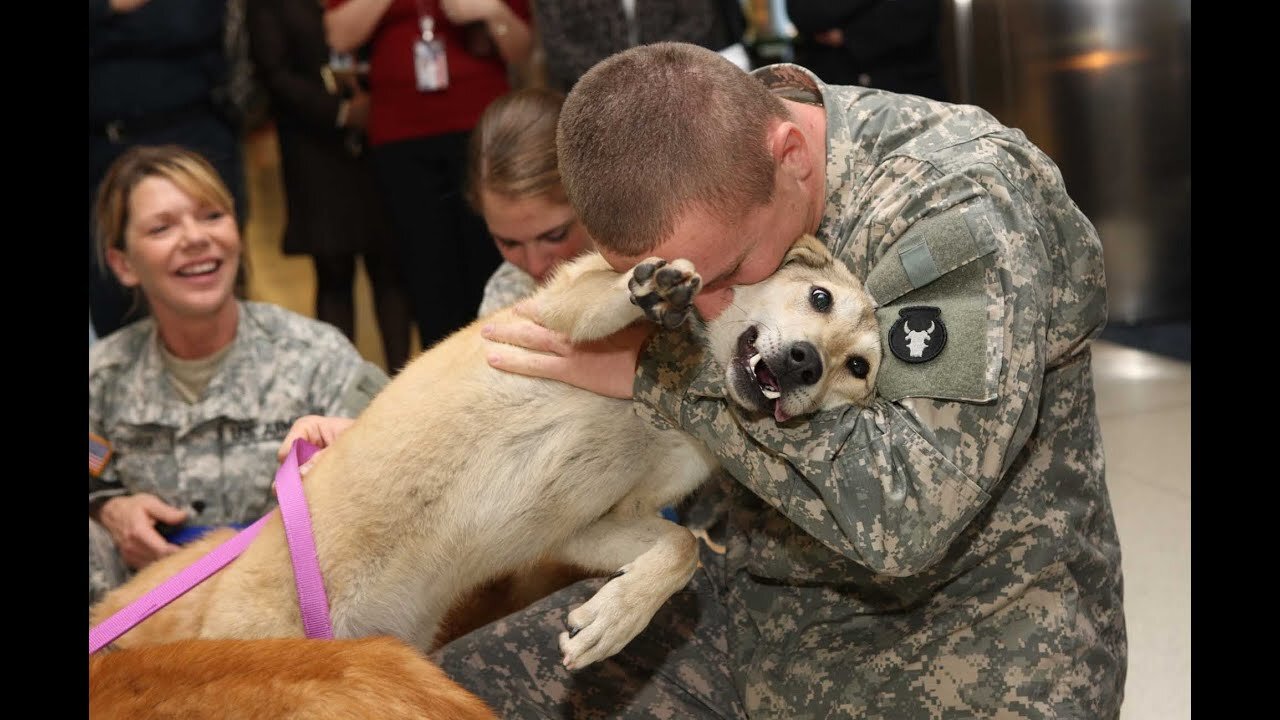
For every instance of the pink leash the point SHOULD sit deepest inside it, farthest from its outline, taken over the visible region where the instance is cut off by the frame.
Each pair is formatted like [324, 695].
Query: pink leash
[312, 599]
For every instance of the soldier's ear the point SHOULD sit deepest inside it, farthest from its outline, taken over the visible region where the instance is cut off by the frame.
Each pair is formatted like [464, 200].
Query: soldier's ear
[810, 252]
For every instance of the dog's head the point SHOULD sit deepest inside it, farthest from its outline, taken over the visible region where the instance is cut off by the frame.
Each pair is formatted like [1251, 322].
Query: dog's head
[802, 340]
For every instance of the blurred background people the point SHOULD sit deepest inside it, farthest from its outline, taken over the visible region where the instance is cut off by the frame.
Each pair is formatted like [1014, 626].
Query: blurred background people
[158, 73]
[334, 209]
[577, 34]
[886, 44]
[433, 67]
[188, 406]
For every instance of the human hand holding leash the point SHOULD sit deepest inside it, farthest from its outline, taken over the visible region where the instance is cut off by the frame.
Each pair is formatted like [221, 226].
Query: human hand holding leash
[131, 520]
[605, 367]
[319, 430]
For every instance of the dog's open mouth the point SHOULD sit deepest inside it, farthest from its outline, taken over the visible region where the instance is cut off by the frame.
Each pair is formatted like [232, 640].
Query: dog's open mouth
[759, 383]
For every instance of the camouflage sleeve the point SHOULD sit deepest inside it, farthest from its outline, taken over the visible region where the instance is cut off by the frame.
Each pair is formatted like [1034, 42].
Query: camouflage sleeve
[104, 481]
[892, 486]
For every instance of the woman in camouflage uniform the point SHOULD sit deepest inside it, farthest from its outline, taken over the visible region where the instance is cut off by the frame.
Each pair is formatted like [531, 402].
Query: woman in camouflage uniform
[188, 406]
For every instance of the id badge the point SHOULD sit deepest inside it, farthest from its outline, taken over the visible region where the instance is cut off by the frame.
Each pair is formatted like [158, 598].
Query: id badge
[341, 62]
[429, 62]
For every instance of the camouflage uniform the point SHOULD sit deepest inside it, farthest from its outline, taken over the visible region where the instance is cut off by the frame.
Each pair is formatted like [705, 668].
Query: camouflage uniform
[949, 552]
[507, 285]
[219, 454]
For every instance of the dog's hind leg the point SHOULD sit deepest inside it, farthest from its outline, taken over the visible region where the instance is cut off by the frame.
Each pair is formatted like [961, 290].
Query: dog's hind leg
[653, 558]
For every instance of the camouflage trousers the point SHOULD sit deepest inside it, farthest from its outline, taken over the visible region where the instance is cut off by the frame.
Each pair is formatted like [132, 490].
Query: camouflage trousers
[678, 667]
[106, 568]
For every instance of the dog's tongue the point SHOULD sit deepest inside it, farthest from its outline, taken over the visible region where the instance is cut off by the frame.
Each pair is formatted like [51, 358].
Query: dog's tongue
[778, 413]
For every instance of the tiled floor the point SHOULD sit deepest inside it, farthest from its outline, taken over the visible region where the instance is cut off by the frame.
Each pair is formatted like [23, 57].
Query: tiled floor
[1144, 404]
[1145, 408]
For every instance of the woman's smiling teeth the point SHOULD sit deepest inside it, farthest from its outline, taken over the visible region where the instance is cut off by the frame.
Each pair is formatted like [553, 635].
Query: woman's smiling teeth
[203, 268]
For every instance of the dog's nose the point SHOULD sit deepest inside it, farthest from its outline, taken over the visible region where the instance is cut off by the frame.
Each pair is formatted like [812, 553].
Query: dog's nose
[801, 364]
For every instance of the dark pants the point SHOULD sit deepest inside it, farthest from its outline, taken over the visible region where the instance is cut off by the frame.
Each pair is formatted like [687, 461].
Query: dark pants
[110, 304]
[335, 300]
[446, 255]
[677, 667]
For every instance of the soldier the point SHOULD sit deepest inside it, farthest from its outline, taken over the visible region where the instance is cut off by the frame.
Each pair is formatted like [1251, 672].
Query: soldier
[187, 407]
[949, 552]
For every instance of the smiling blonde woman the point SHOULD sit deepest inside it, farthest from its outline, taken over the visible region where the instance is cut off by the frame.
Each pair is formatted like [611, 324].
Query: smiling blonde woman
[188, 405]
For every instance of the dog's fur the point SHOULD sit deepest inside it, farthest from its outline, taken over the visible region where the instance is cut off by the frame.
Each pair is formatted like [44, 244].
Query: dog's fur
[457, 473]
[273, 679]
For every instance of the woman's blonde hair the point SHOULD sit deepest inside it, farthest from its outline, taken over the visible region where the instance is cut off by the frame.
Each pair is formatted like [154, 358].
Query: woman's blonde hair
[180, 166]
[512, 150]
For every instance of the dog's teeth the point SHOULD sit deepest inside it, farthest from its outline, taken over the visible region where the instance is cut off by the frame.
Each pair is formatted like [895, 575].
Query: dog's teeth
[755, 360]
[771, 394]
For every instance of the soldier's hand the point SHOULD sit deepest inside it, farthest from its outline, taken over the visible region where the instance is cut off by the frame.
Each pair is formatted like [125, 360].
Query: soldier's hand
[606, 367]
[319, 430]
[131, 520]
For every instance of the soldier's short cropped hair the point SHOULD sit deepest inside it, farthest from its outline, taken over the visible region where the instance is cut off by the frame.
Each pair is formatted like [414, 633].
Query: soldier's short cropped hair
[657, 129]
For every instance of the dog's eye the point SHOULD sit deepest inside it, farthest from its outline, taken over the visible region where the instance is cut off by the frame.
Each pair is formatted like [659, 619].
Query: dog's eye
[820, 299]
[858, 366]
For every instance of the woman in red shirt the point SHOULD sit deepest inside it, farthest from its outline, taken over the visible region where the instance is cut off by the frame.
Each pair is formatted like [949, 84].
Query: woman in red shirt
[422, 109]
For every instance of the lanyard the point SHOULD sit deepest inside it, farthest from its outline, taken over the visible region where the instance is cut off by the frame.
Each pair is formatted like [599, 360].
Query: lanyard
[426, 17]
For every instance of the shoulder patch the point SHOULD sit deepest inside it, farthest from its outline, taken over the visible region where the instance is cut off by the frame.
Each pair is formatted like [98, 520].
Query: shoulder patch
[99, 454]
[919, 335]
[945, 340]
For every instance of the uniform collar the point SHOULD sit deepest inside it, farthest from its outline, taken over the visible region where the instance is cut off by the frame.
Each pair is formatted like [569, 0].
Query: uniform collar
[233, 391]
[847, 165]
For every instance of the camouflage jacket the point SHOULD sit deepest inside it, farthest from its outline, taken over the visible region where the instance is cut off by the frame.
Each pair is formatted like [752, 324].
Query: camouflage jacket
[219, 453]
[507, 285]
[949, 551]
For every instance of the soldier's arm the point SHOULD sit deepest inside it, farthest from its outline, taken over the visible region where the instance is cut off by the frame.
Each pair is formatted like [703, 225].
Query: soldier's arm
[104, 480]
[891, 486]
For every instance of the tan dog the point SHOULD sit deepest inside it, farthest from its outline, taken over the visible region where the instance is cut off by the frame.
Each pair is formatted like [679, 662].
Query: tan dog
[274, 679]
[457, 473]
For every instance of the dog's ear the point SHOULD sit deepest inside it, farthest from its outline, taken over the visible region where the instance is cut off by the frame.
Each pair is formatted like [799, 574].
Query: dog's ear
[808, 251]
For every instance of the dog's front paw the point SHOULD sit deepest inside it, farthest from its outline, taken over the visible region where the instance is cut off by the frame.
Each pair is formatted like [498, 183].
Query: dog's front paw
[664, 290]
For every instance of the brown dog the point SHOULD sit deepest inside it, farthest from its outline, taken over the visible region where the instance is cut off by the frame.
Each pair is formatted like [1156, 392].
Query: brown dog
[273, 679]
